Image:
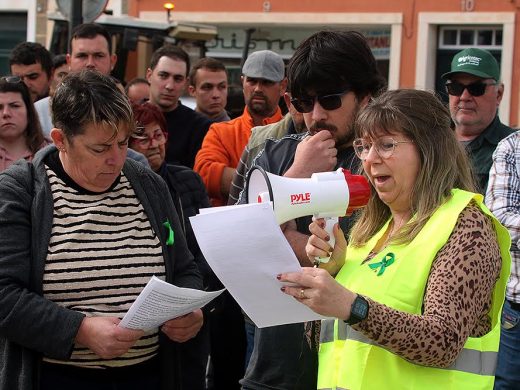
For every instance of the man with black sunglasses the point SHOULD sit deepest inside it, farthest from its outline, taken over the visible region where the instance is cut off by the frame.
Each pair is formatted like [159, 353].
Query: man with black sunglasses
[263, 83]
[332, 75]
[475, 92]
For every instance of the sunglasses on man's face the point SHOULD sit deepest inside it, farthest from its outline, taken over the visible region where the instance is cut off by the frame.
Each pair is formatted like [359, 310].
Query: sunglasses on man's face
[328, 102]
[475, 89]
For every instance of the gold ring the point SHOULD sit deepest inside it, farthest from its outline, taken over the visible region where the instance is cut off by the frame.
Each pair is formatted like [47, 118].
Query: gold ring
[302, 294]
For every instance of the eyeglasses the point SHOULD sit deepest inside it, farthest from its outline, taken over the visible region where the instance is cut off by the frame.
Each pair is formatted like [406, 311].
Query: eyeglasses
[328, 102]
[385, 147]
[144, 141]
[11, 79]
[475, 89]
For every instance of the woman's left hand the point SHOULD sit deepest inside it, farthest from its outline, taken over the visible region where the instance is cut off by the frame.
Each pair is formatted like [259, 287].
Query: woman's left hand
[318, 246]
[183, 328]
[319, 291]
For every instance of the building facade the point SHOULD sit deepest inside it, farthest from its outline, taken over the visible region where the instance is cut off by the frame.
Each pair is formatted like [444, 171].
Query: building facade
[413, 41]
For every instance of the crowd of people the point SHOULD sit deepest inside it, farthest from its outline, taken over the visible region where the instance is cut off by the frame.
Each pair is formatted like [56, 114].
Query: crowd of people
[98, 181]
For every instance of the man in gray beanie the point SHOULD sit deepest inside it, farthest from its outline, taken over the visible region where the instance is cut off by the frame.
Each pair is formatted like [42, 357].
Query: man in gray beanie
[264, 83]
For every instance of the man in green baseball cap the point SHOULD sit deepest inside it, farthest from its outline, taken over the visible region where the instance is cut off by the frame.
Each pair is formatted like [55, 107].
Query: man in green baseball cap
[477, 62]
[475, 92]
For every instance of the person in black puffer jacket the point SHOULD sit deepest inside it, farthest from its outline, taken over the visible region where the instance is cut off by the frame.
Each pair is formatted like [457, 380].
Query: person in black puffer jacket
[189, 196]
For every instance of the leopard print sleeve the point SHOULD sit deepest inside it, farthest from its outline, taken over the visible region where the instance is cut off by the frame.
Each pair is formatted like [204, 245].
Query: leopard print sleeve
[456, 302]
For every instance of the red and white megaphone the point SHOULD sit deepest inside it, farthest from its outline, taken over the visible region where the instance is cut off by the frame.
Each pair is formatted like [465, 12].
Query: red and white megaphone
[326, 195]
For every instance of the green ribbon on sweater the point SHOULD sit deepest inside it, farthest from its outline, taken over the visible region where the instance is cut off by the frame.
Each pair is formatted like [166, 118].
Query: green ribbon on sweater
[171, 235]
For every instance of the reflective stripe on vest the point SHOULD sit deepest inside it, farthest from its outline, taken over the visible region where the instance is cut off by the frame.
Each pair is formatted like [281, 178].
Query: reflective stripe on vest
[330, 388]
[469, 360]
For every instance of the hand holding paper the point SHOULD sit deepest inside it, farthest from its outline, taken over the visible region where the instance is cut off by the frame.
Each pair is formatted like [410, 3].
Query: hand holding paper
[247, 250]
[183, 328]
[106, 340]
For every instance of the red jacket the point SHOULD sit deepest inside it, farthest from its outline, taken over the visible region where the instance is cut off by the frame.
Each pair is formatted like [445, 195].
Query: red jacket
[222, 147]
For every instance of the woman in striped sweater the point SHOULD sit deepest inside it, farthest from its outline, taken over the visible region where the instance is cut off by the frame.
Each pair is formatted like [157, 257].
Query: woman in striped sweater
[82, 230]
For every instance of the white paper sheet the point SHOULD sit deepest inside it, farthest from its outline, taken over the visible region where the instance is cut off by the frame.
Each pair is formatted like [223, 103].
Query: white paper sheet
[161, 301]
[246, 249]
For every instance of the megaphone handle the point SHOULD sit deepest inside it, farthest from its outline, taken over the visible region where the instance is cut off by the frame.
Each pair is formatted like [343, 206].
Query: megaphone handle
[329, 225]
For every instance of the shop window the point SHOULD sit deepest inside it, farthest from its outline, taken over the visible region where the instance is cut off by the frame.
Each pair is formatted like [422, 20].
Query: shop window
[13, 30]
[450, 37]
[484, 37]
[498, 38]
[466, 37]
[489, 38]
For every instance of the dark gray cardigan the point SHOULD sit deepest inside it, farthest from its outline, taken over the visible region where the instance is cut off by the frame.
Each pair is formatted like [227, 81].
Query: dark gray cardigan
[31, 325]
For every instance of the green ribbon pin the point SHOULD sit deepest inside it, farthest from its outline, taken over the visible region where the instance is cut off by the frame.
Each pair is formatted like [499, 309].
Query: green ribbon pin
[171, 235]
[387, 261]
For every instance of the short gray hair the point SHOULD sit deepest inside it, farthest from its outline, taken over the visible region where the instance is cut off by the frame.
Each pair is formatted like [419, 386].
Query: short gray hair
[90, 98]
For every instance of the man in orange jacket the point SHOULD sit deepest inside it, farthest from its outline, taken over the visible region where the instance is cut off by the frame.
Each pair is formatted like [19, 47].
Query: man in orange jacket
[263, 83]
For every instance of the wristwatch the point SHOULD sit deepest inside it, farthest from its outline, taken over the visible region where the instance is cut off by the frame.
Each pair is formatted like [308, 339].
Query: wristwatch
[358, 311]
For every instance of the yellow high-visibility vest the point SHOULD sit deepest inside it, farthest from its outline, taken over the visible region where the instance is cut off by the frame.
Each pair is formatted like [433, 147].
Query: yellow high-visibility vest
[349, 360]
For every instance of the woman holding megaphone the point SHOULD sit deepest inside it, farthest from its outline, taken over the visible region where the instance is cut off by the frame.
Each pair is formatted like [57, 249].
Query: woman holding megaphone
[416, 292]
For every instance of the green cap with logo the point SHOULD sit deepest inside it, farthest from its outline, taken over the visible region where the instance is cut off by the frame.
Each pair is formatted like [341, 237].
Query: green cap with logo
[477, 62]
